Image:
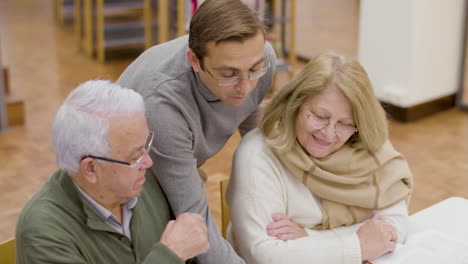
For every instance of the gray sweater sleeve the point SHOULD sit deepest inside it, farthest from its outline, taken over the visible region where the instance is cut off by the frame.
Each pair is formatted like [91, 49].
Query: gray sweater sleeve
[175, 167]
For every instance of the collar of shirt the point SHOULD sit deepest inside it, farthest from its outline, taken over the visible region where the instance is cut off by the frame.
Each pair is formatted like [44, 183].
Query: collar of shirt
[204, 91]
[107, 216]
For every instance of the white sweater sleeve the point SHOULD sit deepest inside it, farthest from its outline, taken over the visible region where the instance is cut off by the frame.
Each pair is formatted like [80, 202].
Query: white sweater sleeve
[256, 191]
[397, 215]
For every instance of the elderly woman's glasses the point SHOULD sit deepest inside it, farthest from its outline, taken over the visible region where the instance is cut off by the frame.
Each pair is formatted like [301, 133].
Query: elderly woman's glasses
[318, 122]
[134, 165]
[231, 81]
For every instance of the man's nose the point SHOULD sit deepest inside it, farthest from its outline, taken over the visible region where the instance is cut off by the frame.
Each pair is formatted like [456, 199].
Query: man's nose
[147, 161]
[244, 84]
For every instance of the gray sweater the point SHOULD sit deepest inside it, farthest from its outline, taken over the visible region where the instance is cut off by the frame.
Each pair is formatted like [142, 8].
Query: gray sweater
[191, 125]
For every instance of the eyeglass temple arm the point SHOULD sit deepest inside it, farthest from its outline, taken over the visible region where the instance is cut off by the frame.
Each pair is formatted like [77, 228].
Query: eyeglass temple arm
[106, 159]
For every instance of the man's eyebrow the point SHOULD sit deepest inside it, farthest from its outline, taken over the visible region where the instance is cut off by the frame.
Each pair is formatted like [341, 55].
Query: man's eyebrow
[221, 68]
[134, 150]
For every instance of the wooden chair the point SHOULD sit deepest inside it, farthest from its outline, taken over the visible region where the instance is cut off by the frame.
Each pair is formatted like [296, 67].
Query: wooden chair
[7, 251]
[224, 207]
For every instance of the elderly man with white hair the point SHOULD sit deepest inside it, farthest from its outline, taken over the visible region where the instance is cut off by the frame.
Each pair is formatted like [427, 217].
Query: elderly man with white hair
[100, 207]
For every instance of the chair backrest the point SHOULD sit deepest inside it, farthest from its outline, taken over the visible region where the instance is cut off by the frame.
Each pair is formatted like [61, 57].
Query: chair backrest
[224, 207]
[7, 251]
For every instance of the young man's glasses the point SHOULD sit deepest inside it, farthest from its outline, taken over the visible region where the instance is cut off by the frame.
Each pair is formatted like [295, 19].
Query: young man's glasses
[134, 165]
[318, 122]
[231, 81]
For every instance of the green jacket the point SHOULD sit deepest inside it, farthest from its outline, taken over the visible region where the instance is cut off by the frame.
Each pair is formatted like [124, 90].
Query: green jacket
[57, 227]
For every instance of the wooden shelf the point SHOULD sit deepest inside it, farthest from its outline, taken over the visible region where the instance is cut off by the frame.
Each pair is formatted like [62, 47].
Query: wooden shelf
[122, 8]
[101, 24]
[116, 23]
[64, 11]
[120, 35]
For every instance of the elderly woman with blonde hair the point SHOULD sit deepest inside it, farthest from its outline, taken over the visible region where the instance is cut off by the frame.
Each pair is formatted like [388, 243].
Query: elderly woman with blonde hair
[319, 181]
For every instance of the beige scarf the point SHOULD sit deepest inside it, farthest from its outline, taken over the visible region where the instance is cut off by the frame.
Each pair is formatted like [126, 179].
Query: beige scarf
[351, 181]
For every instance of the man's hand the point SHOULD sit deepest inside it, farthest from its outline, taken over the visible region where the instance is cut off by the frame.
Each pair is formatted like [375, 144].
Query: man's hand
[376, 238]
[284, 228]
[186, 236]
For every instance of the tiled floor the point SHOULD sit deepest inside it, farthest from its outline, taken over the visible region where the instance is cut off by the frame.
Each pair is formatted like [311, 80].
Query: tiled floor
[45, 65]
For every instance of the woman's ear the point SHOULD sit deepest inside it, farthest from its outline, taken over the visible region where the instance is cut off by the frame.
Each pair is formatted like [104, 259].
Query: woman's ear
[193, 60]
[88, 170]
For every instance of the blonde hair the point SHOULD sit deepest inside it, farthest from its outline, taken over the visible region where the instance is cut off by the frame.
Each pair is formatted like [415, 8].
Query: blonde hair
[329, 68]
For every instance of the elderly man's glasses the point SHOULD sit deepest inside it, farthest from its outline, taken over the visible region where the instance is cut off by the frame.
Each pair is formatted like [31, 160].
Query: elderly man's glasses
[319, 122]
[134, 165]
[231, 81]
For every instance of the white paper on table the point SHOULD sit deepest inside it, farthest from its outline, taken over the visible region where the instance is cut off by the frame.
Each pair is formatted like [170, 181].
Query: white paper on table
[428, 247]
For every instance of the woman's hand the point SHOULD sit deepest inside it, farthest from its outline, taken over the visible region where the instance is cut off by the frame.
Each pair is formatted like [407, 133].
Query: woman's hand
[283, 228]
[376, 237]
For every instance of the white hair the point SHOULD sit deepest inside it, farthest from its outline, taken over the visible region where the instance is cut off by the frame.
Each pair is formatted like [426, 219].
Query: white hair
[81, 124]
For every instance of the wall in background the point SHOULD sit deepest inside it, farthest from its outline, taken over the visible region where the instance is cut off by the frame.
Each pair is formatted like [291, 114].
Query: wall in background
[411, 48]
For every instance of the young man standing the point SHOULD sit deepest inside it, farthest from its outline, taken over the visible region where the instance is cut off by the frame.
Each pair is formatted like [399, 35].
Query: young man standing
[198, 91]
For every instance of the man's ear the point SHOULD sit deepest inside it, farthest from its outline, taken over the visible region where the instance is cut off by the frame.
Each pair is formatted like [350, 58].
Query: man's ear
[88, 170]
[193, 60]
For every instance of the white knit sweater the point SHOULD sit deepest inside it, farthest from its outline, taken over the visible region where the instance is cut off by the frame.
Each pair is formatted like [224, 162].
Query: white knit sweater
[261, 186]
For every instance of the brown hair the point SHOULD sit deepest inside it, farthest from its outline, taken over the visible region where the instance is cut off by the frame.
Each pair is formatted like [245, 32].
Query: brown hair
[278, 122]
[222, 20]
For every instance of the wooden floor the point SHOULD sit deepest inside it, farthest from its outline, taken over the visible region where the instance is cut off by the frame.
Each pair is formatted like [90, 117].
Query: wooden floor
[45, 65]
